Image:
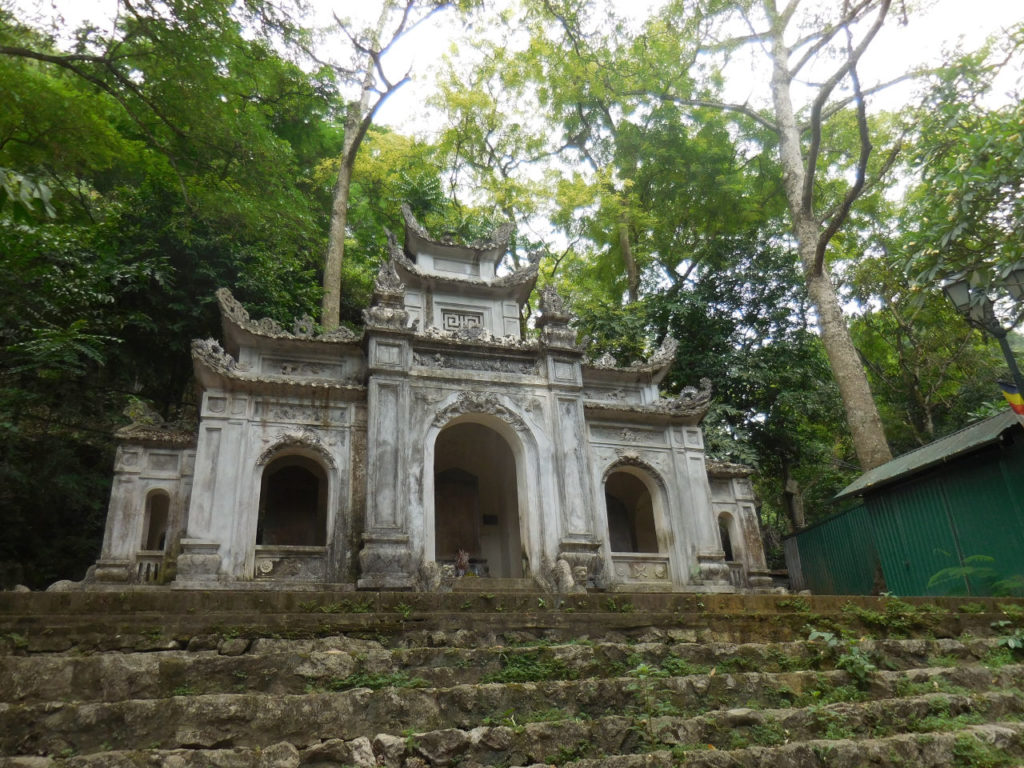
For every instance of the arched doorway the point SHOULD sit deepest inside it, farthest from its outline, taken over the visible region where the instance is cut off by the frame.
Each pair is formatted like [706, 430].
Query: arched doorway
[293, 503]
[631, 526]
[154, 534]
[476, 501]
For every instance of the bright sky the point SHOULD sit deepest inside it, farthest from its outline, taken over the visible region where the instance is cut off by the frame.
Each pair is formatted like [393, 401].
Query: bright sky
[898, 47]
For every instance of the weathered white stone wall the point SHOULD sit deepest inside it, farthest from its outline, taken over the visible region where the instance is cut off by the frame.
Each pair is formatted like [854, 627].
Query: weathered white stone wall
[239, 435]
[140, 470]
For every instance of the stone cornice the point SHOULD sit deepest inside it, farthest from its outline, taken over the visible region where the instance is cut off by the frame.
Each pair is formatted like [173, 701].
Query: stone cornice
[157, 435]
[656, 366]
[727, 469]
[689, 407]
[215, 368]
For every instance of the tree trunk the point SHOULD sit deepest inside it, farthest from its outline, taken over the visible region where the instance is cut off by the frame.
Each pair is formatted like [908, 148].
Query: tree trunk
[632, 273]
[357, 121]
[330, 316]
[861, 412]
[793, 498]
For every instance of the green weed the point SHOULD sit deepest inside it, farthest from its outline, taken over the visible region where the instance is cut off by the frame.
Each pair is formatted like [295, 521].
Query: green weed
[530, 667]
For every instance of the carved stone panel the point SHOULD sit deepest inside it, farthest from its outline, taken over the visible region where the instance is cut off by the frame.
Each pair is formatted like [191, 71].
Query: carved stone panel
[303, 564]
[163, 462]
[296, 413]
[627, 435]
[454, 319]
[630, 568]
[476, 363]
[303, 369]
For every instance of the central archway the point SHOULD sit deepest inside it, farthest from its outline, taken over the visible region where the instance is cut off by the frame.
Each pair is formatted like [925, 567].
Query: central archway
[476, 501]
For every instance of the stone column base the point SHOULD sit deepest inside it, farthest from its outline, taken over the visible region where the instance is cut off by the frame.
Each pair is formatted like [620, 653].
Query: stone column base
[198, 565]
[760, 580]
[385, 562]
[714, 571]
[113, 571]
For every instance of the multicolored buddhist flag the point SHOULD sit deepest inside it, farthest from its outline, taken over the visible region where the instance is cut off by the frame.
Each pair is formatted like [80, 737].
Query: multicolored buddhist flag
[1014, 398]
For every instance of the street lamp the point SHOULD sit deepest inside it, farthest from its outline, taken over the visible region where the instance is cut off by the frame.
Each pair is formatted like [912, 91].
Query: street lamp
[977, 308]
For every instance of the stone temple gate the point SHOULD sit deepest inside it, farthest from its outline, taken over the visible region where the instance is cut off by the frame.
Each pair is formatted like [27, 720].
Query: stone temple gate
[438, 442]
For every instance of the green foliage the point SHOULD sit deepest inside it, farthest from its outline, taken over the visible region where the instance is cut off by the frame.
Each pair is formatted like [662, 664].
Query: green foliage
[983, 575]
[530, 667]
[376, 681]
[847, 655]
[126, 201]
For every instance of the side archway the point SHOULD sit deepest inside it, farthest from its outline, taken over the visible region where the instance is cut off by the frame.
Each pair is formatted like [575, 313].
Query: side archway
[293, 503]
[634, 506]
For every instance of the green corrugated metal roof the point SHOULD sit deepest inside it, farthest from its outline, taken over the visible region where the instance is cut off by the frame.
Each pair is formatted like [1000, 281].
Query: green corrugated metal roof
[968, 439]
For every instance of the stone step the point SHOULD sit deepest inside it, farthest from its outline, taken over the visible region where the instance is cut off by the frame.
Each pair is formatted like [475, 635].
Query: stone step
[989, 744]
[469, 627]
[489, 584]
[747, 736]
[196, 720]
[264, 665]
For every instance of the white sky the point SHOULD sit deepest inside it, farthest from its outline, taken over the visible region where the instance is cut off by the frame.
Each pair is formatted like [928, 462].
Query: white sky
[898, 48]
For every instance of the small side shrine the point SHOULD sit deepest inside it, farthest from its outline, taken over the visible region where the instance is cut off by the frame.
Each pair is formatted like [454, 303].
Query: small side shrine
[439, 442]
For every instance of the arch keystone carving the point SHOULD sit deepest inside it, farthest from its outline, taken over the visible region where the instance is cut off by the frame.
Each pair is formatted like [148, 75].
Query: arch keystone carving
[297, 438]
[479, 402]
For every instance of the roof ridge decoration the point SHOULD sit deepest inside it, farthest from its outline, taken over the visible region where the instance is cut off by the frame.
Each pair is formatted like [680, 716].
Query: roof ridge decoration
[521, 276]
[387, 308]
[727, 469]
[661, 358]
[210, 352]
[500, 237]
[148, 426]
[477, 334]
[303, 328]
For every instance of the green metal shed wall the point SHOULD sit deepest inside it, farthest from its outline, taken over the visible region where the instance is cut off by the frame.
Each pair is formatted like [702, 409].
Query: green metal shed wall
[837, 556]
[972, 506]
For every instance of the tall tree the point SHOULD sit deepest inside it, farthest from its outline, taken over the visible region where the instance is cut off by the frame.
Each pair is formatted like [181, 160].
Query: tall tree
[678, 57]
[373, 86]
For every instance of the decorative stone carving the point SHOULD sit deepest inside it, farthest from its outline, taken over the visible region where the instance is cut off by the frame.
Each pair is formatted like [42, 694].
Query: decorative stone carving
[480, 337]
[479, 402]
[476, 363]
[647, 569]
[554, 321]
[607, 360]
[285, 566]
[299, 438]
[387, 309]
[725, 469]
[665, 354]
[630, 458]
[303, 328]
[148, 426]
[692, 399]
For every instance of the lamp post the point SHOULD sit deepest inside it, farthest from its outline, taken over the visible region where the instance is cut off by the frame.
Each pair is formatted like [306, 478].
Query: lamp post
[977, 308]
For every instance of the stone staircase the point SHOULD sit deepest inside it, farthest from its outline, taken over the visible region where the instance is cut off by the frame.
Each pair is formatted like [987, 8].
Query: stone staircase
[409, 680]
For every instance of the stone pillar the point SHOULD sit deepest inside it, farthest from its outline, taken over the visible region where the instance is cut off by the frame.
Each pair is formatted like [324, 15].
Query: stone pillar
[578, 543]
[386, 560]
[119, 537]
